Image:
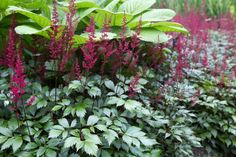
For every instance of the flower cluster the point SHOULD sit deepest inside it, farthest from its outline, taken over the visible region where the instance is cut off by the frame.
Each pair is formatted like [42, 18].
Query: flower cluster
[18, 81]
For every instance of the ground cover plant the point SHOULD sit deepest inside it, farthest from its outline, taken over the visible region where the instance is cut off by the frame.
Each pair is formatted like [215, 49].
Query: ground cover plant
[115, 78]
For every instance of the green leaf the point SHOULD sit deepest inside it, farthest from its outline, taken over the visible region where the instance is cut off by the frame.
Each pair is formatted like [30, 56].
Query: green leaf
[90, 148]
[13, 124]
[40, 151]
[78, 39]
[112, 6]
[51, 153]
[18, 141]
[156, 153]
[110, 136]
[135, 7]
[98, 35]
[116, 18]
[94, 91]
[81, 109]
[146, 141]
[65, 102]
[134, 132]
[93, 138]
[101, 127]
[8, 143]
[116, 100]
[132, 104]
[63, 122]
[42, 103]
[127, 139]
[54, 133]
[168, 27]
[153, 35]
[109, 84]
[154, 15]
[92, 120]
[30, 146]
[76, 84]
[105, 154]
[29, 30]
[5, 131]
[83, 12]
[82, 4]
[39, 19]
[57, 107]
[70, 141]
[3, 139]
[73, 123]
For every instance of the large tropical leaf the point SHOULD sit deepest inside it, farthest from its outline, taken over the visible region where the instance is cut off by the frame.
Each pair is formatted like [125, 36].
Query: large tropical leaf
[112, 6]
[167, 27]
[78, 40]
[135, 7]
[39, 19]
[116, 18]
[154, 15]
[99, 35]
[29, 30]
[82, 4]
[83, 12]
[153, 35]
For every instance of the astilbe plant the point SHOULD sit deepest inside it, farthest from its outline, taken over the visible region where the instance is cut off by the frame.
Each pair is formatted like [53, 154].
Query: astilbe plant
[61, 43]
[18, 80]
[90, 56]
[10, 52]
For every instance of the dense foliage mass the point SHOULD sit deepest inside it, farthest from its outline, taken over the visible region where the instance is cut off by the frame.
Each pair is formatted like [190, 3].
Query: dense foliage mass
[115, 78]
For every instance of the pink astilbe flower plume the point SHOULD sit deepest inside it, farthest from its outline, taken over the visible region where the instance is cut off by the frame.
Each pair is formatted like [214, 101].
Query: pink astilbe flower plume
[18, 81]
[90, 56]
[56, 43]
[77, 70]
[30, 101]
[10, 53]
[61, 44]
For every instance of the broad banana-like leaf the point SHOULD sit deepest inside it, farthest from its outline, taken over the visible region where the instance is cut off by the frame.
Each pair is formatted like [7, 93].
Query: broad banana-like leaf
[82, 4]
[153, 35]
[154, 15]
[116, 18]
[167, 27]
[79, 40]
[39, 19]
[135, 7]
[112, 6]
[83, 12]
[98, 35]
[29, 30]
